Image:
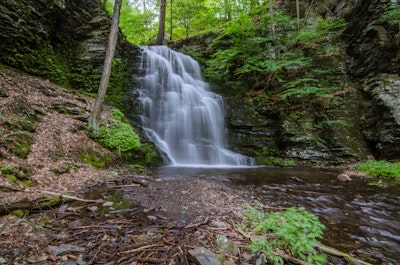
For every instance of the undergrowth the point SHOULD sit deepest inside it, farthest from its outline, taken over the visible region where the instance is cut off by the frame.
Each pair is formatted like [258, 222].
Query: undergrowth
[380, 168]
[294, 232]
[118, 136]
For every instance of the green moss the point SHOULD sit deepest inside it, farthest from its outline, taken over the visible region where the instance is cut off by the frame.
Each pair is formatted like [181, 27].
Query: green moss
[11, 178]
[42, 62]
[95, 159]
[27, 184]
[15, 174]
[21, 148]
[54, 200]
[20, 213]
[275, 161]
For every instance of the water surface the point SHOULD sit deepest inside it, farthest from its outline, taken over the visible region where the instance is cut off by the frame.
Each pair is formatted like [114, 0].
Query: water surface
[362, 218]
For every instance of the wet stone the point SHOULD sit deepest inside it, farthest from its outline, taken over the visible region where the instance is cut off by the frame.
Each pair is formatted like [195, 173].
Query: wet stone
[205, 256]
[65, 248]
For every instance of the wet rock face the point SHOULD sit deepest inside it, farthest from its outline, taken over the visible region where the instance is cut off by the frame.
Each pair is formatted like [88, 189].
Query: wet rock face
[76, 30]
[371, 42]
[381, 124]
[373, 51]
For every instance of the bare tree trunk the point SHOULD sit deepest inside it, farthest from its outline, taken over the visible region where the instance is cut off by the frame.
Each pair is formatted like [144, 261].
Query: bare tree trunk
[161, 25]
[95, 116]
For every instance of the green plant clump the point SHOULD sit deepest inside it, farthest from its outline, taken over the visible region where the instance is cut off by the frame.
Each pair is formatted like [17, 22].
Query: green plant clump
[294, 232]
[119, 136]
[380, 168]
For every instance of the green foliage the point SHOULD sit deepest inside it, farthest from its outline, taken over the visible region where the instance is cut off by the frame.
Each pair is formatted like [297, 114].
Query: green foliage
[119, 136]
[318, 30]
[325, 123]
[136, 22]
[294, 231]
[118, 115]
[392, 14]
[7, 169]
[380, 168]
[306, 87]
[243, 52]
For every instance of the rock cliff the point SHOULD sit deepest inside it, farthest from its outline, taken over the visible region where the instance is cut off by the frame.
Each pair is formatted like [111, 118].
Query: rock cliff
[64, 41]
[374, 62]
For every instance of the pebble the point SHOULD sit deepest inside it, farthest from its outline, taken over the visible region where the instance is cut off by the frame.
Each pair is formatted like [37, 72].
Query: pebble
[151, 218]
[108, 204]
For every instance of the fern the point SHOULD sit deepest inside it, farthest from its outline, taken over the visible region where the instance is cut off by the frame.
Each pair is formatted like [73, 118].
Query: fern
[392, 14]
[295, 231]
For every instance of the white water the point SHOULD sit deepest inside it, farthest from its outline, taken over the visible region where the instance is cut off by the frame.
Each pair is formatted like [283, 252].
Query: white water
[179, 113]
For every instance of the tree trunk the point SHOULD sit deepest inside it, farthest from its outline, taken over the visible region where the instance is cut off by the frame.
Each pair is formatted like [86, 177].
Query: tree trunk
[95, 116]
[170, 20]
[298, 14]
[228, 9]
[271, 13]
[274, 40]
[161, 25]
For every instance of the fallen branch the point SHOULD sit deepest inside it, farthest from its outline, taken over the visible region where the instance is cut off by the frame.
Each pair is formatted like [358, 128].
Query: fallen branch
[74, 198]
[290, 258]
[198, 224]
[140, 248]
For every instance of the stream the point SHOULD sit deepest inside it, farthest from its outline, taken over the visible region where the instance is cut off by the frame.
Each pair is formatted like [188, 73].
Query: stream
[362, 217]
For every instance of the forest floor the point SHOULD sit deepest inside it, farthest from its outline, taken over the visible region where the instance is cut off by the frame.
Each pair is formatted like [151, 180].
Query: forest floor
[161, 221]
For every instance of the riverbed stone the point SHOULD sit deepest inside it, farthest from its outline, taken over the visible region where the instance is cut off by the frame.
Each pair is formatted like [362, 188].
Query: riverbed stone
[205, 256]
[343, 178]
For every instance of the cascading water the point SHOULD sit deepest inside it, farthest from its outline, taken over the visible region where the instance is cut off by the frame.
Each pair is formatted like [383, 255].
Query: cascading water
[179, 114]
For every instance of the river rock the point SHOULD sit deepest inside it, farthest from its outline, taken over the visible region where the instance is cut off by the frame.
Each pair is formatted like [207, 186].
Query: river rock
[205, 256]
[227, 246]
[343, 178]
[37, 259]
[65, 248]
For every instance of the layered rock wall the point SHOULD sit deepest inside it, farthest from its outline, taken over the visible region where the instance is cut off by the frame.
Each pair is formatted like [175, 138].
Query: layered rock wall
[373, 49]
[64, 41]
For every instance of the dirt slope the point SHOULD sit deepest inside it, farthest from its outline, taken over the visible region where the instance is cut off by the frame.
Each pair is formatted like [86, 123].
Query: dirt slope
[43, 141]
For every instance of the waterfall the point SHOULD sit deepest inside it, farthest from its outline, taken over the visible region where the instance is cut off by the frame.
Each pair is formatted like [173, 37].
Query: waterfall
[179, 113]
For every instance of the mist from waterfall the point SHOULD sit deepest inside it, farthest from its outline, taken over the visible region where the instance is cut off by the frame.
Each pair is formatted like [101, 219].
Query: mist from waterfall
[179, 114]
